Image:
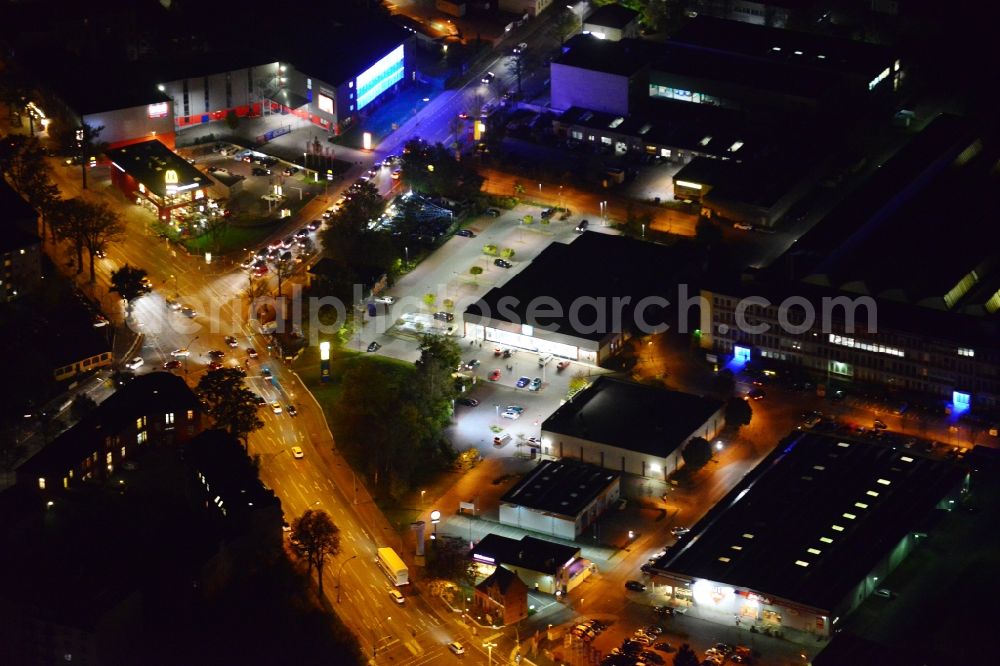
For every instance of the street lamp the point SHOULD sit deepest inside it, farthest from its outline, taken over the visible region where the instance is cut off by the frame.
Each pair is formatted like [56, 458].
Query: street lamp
[489, 645]
[340, 571]
[435, 519]
[422, 493]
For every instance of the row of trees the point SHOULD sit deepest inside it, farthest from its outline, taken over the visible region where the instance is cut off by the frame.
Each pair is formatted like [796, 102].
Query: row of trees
[433, 170]
[85, 224]
[389, 418]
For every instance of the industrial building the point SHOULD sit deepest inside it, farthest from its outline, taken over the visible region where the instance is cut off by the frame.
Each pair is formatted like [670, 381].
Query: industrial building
[630, 428]
[561, 498]
[543, 566]
[923, 325]
[586, 317]
[807, 535]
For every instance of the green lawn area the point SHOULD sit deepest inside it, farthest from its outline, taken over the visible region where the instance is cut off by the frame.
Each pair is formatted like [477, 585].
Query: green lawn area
[232, 239]
[307, 366]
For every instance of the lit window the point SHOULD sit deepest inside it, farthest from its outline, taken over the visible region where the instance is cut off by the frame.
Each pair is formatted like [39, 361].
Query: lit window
[843, 445]
[872, 493]
[138, 423]
[141, 437]
[962, 351]
[724, 559]
[41, 483]
[169, 417]
[861, 505]
[736, 547]
[884, 482]
[325, 103]
[802, 563]
[849, 516]
[747, 536]
[826, 539]
[814, 551]
[108, 458]
[837, 528]
[906, 459]
[190, 414]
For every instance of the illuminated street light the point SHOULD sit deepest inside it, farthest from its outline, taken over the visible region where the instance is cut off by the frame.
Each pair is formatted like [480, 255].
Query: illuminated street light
[718, 445]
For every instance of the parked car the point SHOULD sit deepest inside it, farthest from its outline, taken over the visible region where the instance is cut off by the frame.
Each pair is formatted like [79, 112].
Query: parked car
[494, 376]
[230, 341]
[465, 233]
[260, 171]
[582, 225]
[880, 425]
[493, 212]
[502, 263]
[468, 402]
[679, 531]
[291, 171]
[488, 78]
[522, 382]
[513, 416]
[217, 354]
[635, 586]
[135, 363]
[444, 316]
[314, 225]
[172, 365]
[291, 410]
[385, 300]
[183, 351]
[472, 364]
[535, 384]
[214, 365]
[374, 347]
[297, 452]
[251, 352]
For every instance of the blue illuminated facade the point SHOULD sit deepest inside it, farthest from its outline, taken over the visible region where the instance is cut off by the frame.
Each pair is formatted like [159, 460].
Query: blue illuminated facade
[381, 76]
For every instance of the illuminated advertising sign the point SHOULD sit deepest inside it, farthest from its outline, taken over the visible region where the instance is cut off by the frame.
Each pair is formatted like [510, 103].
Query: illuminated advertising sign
[158, 110]
[381, 76]
[326, 103]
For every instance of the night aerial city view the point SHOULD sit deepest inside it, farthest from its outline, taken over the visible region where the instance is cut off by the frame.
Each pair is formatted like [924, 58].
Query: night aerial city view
[530, 332]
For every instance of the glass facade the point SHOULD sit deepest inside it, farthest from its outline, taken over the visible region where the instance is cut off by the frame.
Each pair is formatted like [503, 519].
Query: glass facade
[666, 92]
[381, 76]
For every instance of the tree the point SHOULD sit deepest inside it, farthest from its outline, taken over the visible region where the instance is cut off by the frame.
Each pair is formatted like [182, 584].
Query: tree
[685, 656]
[449, 559]
[697, 452]
[566, 24]
[490, 250]
[476, 271]
[283, 267]
[507, 253]
[68, 224]
[215, 227]
[128, 282]
[518, 189]
[430, 300]
[82, 405]
[230, 403]
[22, 160]
[232, 120]
[99, 226]
[738, 412]
[80, 140]
[439, 356]
[314, 538]
[577, 383]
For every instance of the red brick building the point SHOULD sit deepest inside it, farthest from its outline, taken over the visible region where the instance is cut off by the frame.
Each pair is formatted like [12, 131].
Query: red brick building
[502, 598]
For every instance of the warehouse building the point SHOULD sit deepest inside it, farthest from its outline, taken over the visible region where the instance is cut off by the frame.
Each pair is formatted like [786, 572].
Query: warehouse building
[630, 428]
[923, 325]
[561, 498]
[807, 535]
[543, 566]
[586, 317]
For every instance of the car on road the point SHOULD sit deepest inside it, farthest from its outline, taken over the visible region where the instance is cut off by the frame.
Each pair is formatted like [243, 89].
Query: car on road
[643, 640]
[883, 592]
[397, 597]
[183, 351]
[135, 363]
[260, 400]
[512, 415]
[385, 300]
[230, 341]
[100, 321]
[679, 531]
[635, 586]
[396, 173]
[494, 376]
[502, 263]
[276, 407]
[465, 233]
[173, 304]
[521, 48]
[456, 647]
[535, 384]
[488, 78]
[291, 410]
[516, 408]
[468, 402]
[472, 364]
[217, 354]
[291, 171]
[879, 425]
[756, 394]
[562, 365]
[265, 372]
[374, 347]
[251, 352]
[297, 452]
[260, 171]
[214, 365]
[172, 365]
[302, 233]
[522, 382]
[188, 311]
[742, 226]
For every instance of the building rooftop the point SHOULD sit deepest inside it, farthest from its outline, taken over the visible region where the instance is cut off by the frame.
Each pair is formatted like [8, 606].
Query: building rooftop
[122, 84]
[813, 518]
[154, 392]
[229, 477]
[624, 58]
[149, 161]
[561, 487]
[943, 174]
[642, 269]
[632, 416]
[777, 45]
[612, 16]
[500, 577]
[529, 553]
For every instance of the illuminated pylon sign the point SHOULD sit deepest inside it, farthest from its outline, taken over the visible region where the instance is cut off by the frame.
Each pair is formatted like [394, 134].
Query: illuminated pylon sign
[170, 178]
[329, 174]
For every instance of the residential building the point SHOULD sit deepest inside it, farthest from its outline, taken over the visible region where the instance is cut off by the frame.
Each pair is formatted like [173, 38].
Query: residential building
[630, 428]
[20, 246]
[808, 534]
[561, 498]
[529, 7]
[154, 409]
[612, 22]
[501, 598]
[544, 566]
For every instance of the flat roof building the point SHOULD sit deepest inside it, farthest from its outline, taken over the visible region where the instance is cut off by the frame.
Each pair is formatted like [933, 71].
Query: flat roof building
[559, 497]
[805, 537]
[149, 170]
[587, 315]
[925, 323]
[630, 428]
[544, 566]
[612, 22]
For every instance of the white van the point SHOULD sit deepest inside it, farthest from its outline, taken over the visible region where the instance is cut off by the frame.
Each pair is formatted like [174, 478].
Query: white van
[544, 359]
